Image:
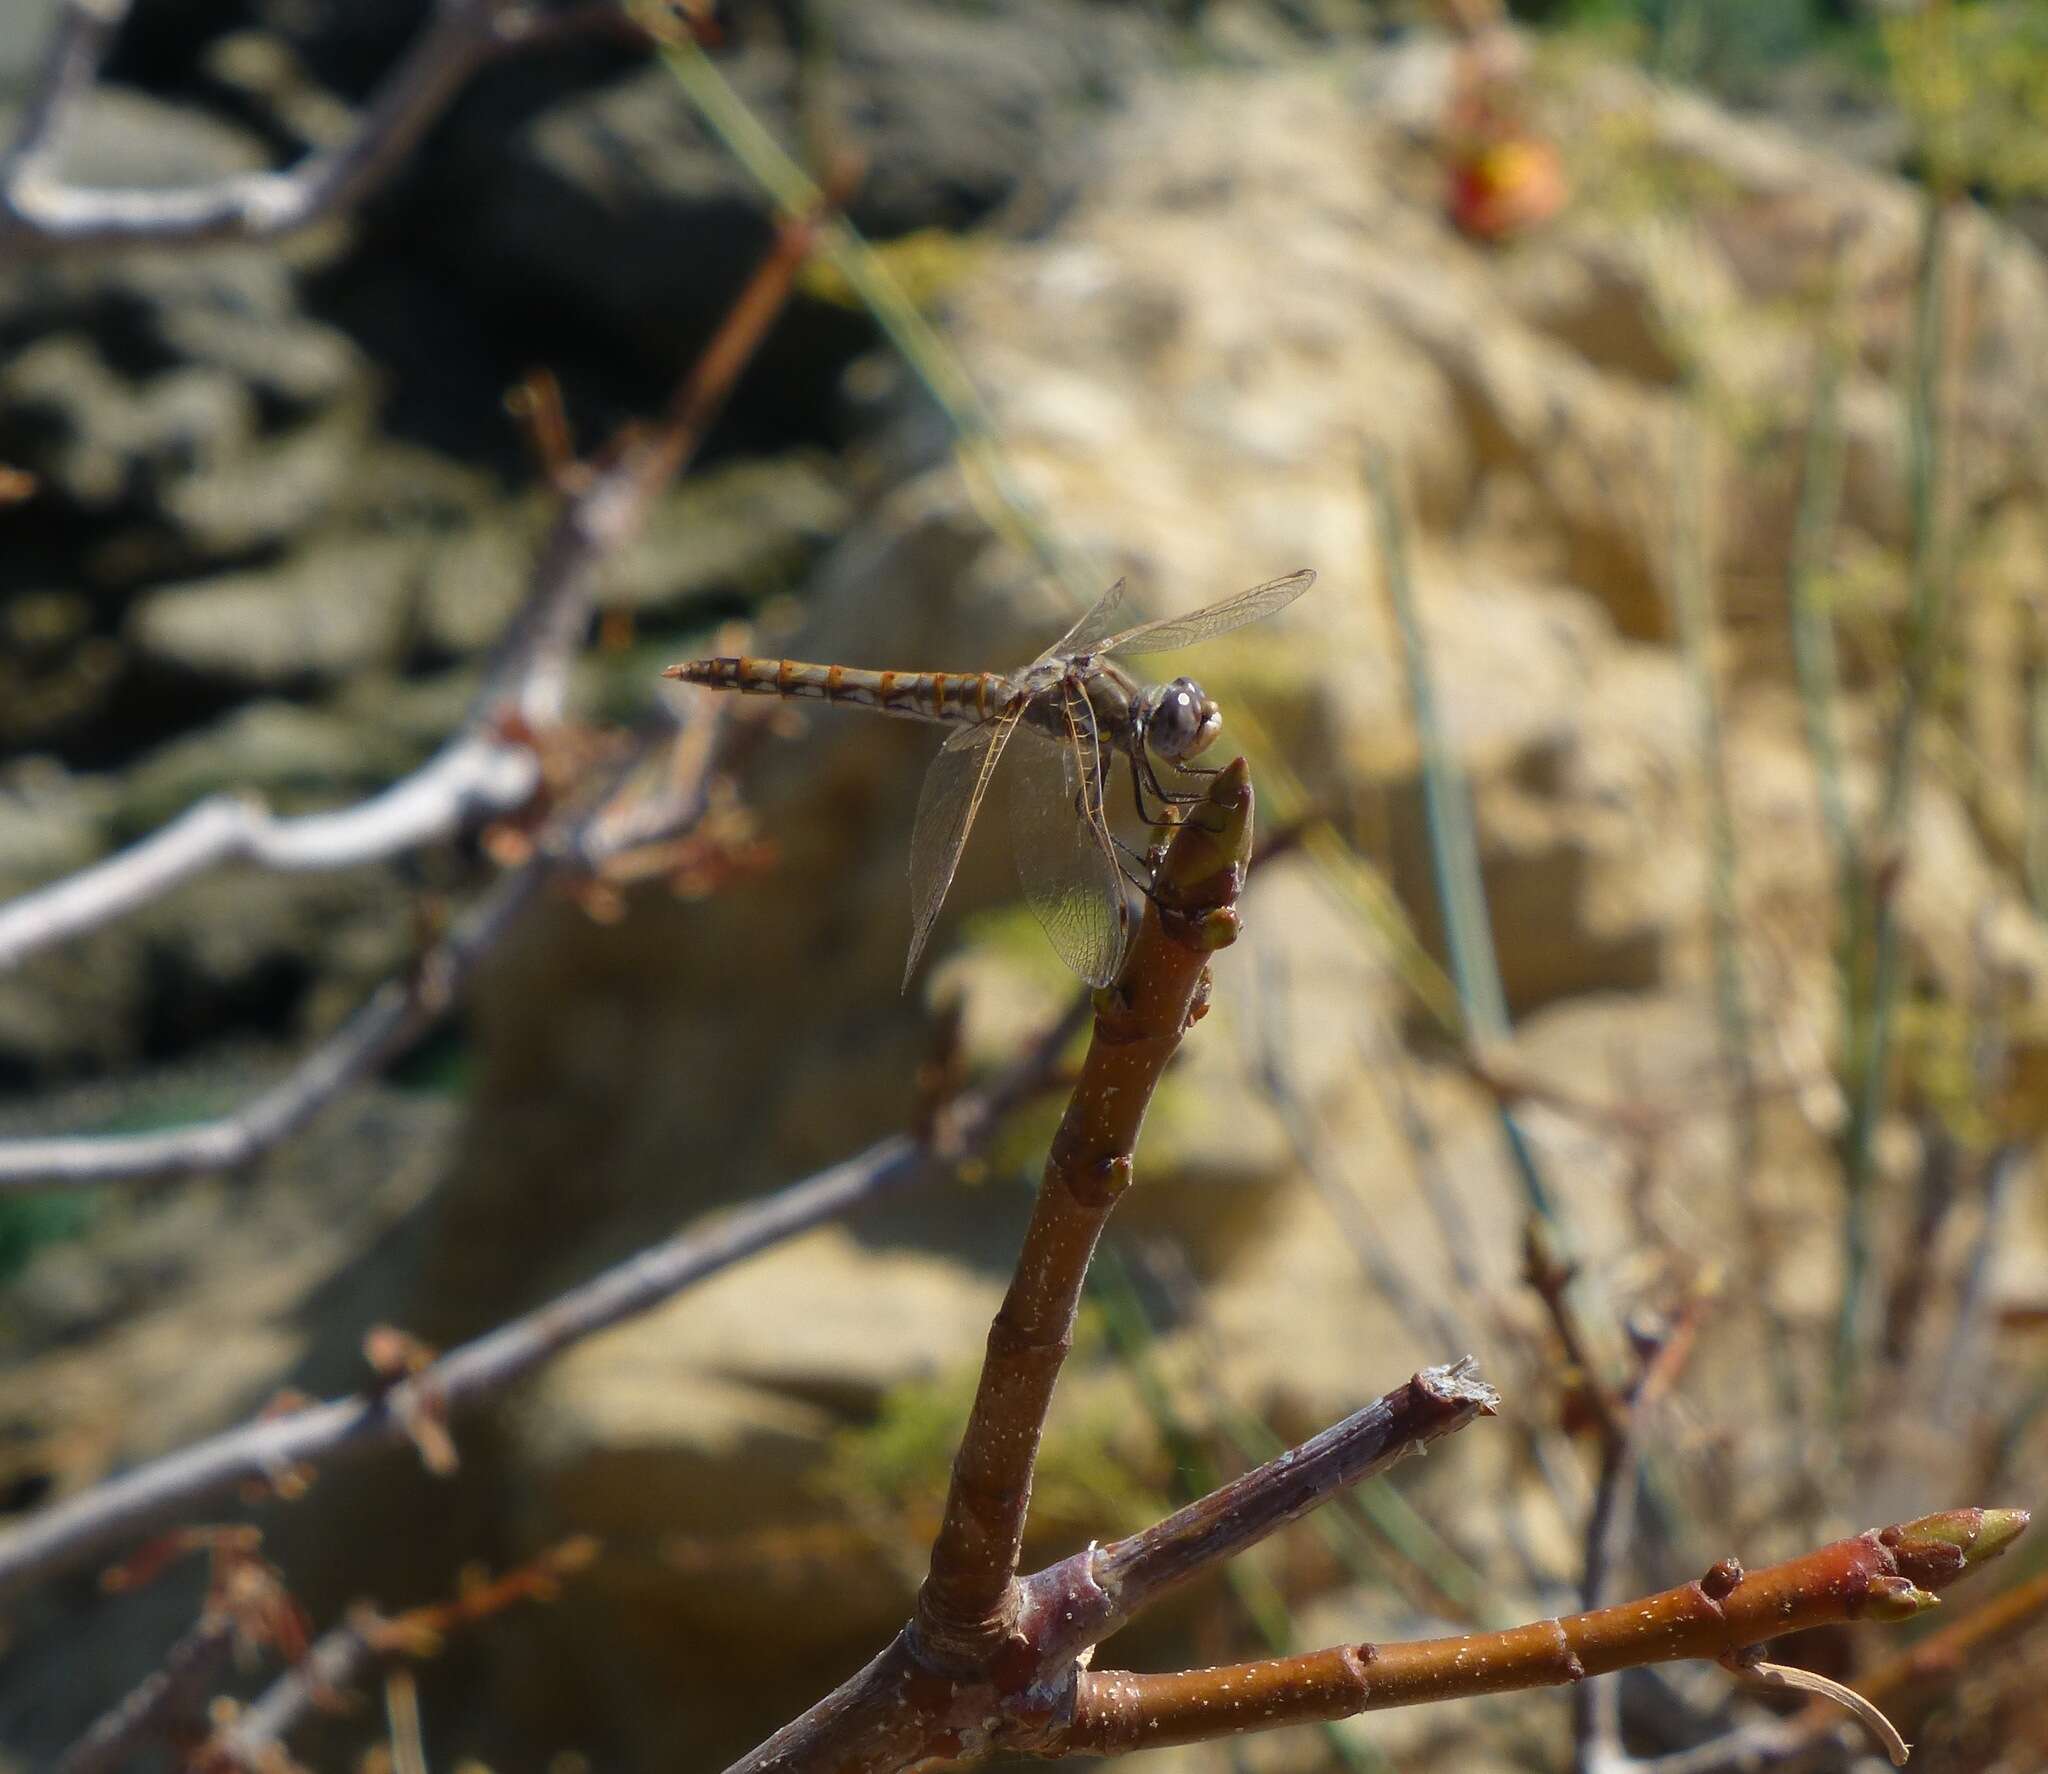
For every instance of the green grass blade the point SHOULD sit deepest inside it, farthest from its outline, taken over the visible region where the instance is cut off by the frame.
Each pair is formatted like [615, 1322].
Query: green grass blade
[1453, 838]
[1876, 978]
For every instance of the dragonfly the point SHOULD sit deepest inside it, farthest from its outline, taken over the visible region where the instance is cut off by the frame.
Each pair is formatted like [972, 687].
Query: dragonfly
[1078, 712]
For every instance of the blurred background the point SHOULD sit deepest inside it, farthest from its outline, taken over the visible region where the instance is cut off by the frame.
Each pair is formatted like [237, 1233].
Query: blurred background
[1647, 997]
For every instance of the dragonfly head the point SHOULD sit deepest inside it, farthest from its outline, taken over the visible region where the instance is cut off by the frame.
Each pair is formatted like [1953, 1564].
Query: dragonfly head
[1180, 720]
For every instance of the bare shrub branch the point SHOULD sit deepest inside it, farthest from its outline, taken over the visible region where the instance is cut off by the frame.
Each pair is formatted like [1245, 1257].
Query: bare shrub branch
[400, 1011]
[95, 1521]
[1885, 1574]
[41, 213]
[489, 769]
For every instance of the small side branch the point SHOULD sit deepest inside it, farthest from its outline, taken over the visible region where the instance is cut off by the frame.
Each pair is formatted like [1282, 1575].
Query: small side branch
[1439, 1401]
[1885, 1574]
[900, 1709]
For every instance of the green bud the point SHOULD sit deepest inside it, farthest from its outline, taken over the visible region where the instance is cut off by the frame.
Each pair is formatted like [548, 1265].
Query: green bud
[1894, 1598]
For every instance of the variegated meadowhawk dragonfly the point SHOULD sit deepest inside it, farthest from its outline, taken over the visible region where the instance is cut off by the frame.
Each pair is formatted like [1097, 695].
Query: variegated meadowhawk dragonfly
[1081, 711]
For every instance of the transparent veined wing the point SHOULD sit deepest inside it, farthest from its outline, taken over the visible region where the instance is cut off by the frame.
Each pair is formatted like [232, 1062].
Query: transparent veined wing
[1170, 632]
[1094, 623]
[952, 795]
[1065, 855]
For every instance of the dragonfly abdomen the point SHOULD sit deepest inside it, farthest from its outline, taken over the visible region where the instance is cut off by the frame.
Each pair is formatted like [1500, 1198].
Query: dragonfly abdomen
[963, 697]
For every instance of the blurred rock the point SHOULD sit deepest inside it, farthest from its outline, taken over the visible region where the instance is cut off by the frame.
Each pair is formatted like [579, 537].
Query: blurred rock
[743, 530]
[954, 112]
[332, 614]
[178, 403]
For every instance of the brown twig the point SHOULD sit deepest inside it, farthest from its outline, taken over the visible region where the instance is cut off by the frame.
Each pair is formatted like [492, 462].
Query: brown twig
[970, 1618]
[1885, 1574]
[967, 1606]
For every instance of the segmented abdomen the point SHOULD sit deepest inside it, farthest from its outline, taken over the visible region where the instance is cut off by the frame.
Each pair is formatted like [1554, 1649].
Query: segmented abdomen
[961, 696]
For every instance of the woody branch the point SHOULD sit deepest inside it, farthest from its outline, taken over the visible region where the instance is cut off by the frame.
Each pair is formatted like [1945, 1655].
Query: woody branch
[969, 1600]
[1891, 1573]
[988, 1661]
[91, 1524]
[41, 213]
[486, 771]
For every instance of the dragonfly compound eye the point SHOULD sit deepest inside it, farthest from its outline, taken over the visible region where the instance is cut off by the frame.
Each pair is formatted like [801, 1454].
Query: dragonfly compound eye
[1183, 722]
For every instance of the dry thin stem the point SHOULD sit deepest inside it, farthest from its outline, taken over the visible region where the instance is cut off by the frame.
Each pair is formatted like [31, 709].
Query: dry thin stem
[968, 1603]
[91, 1523]
[254, 1740]
[1832, 1693]
[1610, 1526]
[1885, 1574]
[402, 1714]
[39, 212]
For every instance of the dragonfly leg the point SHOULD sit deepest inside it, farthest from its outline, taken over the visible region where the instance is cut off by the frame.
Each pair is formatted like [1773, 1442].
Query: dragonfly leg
[1138, 867]
[1145, 815]
[1172, 797]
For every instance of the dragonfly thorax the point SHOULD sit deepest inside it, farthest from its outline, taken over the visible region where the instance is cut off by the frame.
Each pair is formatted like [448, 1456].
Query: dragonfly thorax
[1180, 720]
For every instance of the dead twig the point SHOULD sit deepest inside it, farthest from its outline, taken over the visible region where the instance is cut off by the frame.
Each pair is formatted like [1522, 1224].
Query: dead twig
[397, 1015]
[87, 1525]
[526, 690]
[968, 1602]
[41, 213]
[246, 1608]
[254, 1739]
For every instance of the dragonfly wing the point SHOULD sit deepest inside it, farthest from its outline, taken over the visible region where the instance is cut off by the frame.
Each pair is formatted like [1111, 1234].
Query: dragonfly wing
[1065, 855]
[952, 796]
[1090, 629]
[1170, 632]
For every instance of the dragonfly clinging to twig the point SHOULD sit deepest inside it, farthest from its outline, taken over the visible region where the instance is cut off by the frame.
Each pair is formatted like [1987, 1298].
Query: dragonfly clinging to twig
[1081, 711]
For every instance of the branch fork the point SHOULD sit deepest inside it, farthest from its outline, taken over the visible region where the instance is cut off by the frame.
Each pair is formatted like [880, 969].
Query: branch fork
[991, 1663]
